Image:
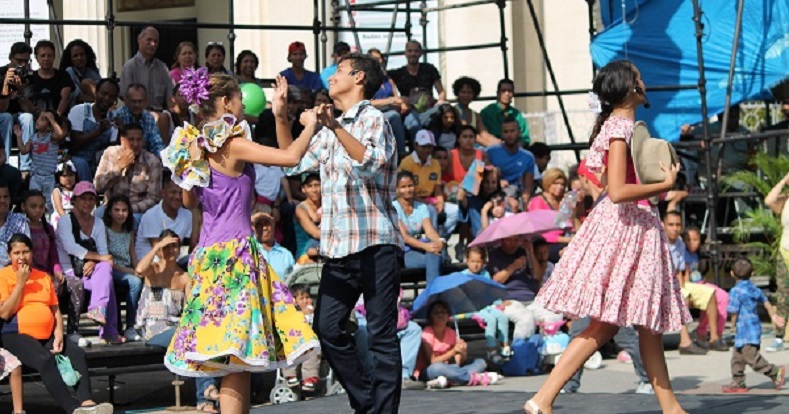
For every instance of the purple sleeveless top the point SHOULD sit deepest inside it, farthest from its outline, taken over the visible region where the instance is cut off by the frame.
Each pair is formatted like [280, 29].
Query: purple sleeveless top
[227, 203]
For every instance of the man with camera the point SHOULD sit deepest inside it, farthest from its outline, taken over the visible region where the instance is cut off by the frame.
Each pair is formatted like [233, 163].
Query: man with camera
[16, 77]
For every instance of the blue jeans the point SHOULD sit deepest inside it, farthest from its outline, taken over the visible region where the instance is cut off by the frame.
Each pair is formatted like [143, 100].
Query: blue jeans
[456, 374]
[496, 322]
[410, 343]
[420, 259]
[26, 121]
[414, 121]
[472, 214]
[132, 285]
[202, 384]
[452, 213]
[396, 122]
[84, 166]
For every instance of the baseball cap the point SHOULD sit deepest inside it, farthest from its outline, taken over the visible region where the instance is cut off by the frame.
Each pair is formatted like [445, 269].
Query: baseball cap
[83, 187]
[425, 137]
[584, 172]
[341, 48]
[295, 46]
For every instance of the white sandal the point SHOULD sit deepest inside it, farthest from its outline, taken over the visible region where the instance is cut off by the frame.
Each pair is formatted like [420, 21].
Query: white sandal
[531, 408]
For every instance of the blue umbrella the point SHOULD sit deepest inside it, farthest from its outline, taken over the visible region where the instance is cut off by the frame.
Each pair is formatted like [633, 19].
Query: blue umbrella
[463, 292]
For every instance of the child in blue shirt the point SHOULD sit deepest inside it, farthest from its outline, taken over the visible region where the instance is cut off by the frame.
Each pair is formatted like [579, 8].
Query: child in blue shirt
[493, 318]
[743, 299]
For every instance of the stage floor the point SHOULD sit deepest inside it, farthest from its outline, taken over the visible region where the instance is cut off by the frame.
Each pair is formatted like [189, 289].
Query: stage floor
[481, 402]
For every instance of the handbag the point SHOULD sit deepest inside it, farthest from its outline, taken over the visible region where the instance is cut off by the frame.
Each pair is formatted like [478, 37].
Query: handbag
[70, 376]
[89, 244]
[648, 153]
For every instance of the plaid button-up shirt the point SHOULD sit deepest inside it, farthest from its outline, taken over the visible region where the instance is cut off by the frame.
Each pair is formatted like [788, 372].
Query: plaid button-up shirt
[141, 182]
[743, 299]
[357, 197]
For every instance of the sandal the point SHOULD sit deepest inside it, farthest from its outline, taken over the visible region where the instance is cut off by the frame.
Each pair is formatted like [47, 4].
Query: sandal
[97, 315]
[116, 340]
[531, 407]
[206, 407]
[211, 393]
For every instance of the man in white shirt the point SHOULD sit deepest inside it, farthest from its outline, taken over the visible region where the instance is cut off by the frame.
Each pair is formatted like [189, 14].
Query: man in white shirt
[168, 214]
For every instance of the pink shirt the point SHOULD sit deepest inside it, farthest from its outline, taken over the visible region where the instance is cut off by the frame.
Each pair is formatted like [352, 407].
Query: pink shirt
[440, 347]
[539, 203]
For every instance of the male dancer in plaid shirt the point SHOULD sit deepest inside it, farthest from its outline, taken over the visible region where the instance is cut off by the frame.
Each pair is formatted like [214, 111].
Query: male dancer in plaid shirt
[357, 158]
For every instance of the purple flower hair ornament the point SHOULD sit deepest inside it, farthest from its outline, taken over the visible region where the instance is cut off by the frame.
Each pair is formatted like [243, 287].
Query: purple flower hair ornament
[194, 85]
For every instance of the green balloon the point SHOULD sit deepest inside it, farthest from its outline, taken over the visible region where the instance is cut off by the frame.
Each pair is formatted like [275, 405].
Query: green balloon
[254, 99]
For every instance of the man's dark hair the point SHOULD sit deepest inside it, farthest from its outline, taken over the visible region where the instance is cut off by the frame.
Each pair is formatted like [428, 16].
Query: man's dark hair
[373, 74]
[539, 150]
[20, 47]
[742, 268]
[167, 177]
[467, 127]
[505, 81]
[439, 148]
[539, 241]
[509, 119]
[44, 44]
[672, 213]
[341, 48]
[692, 227]
[413, 42]
[136, 86]
[131, 127]
[111, 81]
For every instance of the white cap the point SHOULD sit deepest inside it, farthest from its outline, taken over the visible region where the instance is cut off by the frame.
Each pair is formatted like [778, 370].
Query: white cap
[425, 137]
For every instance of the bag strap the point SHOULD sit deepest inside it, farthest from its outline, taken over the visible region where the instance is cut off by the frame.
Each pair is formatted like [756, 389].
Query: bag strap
[75, 229]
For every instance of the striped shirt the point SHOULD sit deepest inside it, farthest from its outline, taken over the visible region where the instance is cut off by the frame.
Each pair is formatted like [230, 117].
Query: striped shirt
[44, 155]
[152, 74]
[358, 210]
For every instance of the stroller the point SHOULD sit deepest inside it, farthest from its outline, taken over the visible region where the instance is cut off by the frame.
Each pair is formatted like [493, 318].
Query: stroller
[309, 275]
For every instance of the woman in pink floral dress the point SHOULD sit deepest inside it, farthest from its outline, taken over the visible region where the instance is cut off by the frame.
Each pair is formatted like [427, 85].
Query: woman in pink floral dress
[629, 281]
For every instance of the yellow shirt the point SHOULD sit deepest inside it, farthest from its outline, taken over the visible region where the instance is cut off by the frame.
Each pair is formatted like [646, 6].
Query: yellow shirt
[428, 176]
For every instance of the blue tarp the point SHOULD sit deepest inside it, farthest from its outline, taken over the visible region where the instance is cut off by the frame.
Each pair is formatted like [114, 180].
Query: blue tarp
[659, 37]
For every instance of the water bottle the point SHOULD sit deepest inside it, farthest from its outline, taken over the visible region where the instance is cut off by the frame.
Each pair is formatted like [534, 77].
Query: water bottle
[566, 209]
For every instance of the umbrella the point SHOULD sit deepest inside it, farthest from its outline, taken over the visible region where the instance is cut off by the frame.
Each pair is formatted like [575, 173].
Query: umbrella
[522, 224]
[463, 292]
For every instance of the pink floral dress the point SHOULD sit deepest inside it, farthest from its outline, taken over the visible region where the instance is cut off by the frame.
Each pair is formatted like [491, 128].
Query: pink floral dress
[618, 268]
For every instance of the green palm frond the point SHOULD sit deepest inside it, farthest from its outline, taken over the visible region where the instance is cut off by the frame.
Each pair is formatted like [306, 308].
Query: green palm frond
[772, 168]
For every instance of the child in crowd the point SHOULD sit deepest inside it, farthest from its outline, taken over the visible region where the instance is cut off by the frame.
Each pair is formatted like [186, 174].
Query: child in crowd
[45, 251]
[43, 149]
[310, 368]
[494, 209]
[66, 178]
[693, 274]
[743, 300]
[119, 222]
[446, 127]
[308, 220]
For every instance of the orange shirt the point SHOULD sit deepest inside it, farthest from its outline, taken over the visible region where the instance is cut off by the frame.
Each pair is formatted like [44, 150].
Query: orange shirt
[34, 317]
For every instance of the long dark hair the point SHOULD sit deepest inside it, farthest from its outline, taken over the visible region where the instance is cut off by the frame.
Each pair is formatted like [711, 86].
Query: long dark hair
[613, 83]
[90, 55]
[437, 124]
[128, 225]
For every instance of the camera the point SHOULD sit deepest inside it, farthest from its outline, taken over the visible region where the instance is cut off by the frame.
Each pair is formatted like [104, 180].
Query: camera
[24, 74]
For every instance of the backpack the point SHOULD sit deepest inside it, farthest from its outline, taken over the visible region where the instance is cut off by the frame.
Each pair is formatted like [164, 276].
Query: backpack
[526, 358]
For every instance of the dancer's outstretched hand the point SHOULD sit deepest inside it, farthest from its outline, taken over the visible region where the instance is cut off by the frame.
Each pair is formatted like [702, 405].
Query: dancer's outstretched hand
[309, 118]
[279, 102]
[326, 116]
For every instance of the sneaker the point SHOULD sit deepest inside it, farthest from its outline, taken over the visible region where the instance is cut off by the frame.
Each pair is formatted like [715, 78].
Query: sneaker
[624, 357]
[595, 361]
[775, 346]
[292, 381]
[495, 358]
[719, 345]
[735, 388]
[131, 335]
[79, 340]
[645, 388]
[409, 384]
[692, 349]
[780, 377]
[103, 408]
[438, 384]
[506, 351]
[309, 384]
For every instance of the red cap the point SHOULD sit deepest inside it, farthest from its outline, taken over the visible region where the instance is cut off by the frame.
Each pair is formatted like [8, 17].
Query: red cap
[584, 172]
[296, 46]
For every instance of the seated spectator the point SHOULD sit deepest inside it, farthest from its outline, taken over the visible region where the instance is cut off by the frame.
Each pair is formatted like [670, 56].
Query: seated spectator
[43, 149]
[65, 179]
[215, 58]
[247, 63]
[494, 115]
[185, 57]
[279, 258]
[49, 87]
[467, 90]
[516, 164]
[463, 156]
[12, 178]
[471, 205]
[426, 172]
[340, 50]
[175, 116]
[79, 62]
[408, 333]
[494, 209]
[134, 113]
[509, 264]
[446, 126]
[10, 223]
[554, 186]
[15, 106]
[448, 220]
[93, 129]
[693, 269]
[297, 75]
[308, 220]
[423, 244]
[45, 249]
[389, 101]
[310, 368]
[83, 253]
[34, 329]
[416, 81]
[130, 170]
[444, 356]
[119, 223]
[145, 69]
[169, 214]
[542, 156]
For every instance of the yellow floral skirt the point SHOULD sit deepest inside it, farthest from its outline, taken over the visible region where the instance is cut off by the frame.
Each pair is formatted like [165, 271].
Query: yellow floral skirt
[239, 316]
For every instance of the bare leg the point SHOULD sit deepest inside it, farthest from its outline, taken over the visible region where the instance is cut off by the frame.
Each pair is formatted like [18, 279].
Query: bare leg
[651, 347]
[580, 349]
[684, 337]
[712, 317]
[17, 391]
[234, 395]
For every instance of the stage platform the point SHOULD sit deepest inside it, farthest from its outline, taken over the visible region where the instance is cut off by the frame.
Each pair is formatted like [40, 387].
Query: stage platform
[466, 401]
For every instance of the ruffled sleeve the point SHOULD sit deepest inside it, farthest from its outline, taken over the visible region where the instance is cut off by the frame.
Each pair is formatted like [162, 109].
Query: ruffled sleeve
[188, 172]
[614, 127]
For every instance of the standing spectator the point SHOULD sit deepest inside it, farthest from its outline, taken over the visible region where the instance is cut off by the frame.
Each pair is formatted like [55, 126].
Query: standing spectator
[389, 101]
[297, 75]
[130, 170]
[494, 115]
[134, 112]
[169, 214]
[43, 147]
[340, 49]
[423, 244]
[10, 223]
[554, 187]
[79, 62]
[185, 57]
[16, 78]
[467, 90]
[93, 128]
[119, 223]
[279, 258]
[416, 81]
[215, 58]
[516, 164]
[49, 87]
[144, 69]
